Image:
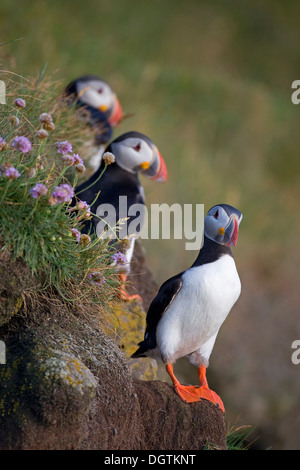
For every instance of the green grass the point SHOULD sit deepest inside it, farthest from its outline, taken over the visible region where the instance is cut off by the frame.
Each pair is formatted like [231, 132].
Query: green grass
[237, 438]
[40, 230]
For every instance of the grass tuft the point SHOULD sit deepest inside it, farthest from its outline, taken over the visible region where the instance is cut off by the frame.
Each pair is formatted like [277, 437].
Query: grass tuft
[37, 180]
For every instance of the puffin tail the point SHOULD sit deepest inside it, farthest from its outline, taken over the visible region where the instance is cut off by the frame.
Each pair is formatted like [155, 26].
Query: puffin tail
[141, 351]
[148, 343]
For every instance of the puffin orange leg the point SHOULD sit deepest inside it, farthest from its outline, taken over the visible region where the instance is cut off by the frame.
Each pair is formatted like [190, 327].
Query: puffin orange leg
[193, 393]
[123, 294]
[210, 394]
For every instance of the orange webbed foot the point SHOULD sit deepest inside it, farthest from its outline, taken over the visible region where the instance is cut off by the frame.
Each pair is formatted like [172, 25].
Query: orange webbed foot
[193, 393]
[123, 294]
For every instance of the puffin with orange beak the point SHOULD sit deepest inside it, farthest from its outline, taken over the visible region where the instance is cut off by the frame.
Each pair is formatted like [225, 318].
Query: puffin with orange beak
[114, 193]
[103, 108]
[184, 318]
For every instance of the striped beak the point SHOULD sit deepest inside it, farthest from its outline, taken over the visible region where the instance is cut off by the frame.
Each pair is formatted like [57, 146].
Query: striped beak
[116, 114]
[157, 170]
[232, 229]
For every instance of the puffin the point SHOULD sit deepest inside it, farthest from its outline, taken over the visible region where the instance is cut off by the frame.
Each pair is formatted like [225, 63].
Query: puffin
[103, 108]
[184, 318]
[117, 184]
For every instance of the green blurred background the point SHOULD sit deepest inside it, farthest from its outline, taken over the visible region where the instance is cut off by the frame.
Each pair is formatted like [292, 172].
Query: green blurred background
[210, 84]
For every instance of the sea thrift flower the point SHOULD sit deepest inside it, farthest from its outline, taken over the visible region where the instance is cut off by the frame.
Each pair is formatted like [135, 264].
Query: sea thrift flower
[20, 103]
[87, 214]
[78, 163]
[119, 258]
[76, 234]
[31, 172]
[2, 144]
[12, 173]
[83, 205]
[14, 120]
[108, 158]
[85, 239]
[49, 126]
[41, 134]
[63, 193]
[85, 208]
[22, 143]
[77, 159]
[67, 159]
[46, 120]
[52, 201]
[80, 168]
[64, 147]
[38, 190]
[96, 278]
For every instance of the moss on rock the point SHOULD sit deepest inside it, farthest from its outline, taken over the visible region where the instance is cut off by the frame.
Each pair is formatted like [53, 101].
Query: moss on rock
[128, 330]
[67, 384]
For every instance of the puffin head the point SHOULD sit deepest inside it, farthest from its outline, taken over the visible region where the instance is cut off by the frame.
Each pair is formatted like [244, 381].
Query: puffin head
[92, 91]
[221, 224]
[136, 153]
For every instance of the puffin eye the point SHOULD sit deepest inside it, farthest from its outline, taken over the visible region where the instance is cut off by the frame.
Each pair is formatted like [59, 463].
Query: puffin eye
[100, 90]
[216, 214]
[137, 147]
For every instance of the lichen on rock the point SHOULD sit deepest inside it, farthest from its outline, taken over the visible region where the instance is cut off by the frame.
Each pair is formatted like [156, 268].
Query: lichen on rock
[128, 330]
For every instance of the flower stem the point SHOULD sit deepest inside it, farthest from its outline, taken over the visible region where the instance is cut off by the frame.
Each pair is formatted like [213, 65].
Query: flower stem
[94, 182]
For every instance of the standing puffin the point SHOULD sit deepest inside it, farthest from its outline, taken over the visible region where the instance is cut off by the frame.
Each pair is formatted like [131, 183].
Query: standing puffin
[184, 318]
[103, 108]
[133, 153]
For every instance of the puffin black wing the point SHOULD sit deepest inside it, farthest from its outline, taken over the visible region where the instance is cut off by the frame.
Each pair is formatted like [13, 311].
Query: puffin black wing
[165, 296]
[99, 122]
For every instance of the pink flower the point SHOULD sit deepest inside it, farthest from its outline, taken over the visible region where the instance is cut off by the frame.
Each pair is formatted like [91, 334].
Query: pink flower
[41, 134]
[63, 193]
[52, 201]
[22, 143]
[96, 278]
[78, 163]
[2, 143]
[80, 168]
[76, 234]
[119, 258]
[20, 103]
[14, 120]
[64, 147]
[108, 158]
[82, 206]
[12, 173]
[77, 160]
[45, 118]
[85, 239]
[67, 159]
[38, 190]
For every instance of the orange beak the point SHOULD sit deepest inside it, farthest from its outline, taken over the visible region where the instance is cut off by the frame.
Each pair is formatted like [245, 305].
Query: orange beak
[234, 234]
[162, 173]
[116, 114]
